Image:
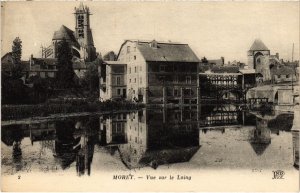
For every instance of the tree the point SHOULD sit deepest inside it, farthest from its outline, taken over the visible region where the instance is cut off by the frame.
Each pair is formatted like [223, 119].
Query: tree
[16, 53]
[91, 76]
[204, 60]
[65, 72]
[110, 56]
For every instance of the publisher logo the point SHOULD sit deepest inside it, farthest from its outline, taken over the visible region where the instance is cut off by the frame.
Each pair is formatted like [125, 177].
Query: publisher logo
[278, 174]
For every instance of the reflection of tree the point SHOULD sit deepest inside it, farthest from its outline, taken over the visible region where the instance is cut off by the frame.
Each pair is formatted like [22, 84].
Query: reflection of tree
[66, 146]
[12, 136]
[283, 122]
[89, 133]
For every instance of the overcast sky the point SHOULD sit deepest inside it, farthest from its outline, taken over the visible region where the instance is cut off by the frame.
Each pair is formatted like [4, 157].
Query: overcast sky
[212, 29]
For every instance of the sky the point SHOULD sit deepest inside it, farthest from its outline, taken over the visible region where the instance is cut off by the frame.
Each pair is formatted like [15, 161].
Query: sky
[212, 29]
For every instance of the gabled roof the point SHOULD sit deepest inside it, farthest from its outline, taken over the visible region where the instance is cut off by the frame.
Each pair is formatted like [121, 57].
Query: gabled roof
[168, 52]
[258, 45]
[165, 51]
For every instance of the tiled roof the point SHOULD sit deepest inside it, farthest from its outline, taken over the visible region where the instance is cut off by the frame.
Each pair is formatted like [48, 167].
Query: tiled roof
[247, 71]
[225, 69]
[217, 61]
[167, 52]
[8, 66]
[47, 61]
[258, 45]
[66, 33]
[282, 70]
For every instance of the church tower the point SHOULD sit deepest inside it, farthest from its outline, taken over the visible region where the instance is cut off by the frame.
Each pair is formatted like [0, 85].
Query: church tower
[83, 33]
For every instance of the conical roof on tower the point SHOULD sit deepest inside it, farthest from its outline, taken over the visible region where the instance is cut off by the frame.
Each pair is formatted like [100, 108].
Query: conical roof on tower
[258, 45]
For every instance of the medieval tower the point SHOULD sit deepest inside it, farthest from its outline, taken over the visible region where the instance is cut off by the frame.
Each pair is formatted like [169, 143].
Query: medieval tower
[258, 59]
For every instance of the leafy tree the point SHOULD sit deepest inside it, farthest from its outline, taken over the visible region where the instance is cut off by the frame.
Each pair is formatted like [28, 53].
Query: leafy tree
[204, 60]
[91, 76]
[110, 56]
[16, 58]
[65, 72]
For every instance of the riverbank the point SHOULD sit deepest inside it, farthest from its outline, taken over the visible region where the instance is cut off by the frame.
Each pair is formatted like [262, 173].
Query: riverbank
[59, 117]
[17, 112]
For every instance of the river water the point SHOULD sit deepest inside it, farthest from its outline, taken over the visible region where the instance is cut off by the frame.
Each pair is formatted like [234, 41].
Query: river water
[212, 137]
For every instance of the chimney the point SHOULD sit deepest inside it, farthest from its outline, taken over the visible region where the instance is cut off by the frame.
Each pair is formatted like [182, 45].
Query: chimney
[223, 60]
[277, 56]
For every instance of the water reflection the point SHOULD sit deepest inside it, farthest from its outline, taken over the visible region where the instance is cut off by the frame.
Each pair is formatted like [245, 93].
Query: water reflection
[211, 136]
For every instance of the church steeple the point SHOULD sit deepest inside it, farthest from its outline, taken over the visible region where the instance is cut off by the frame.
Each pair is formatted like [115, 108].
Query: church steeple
[82, 19]
[83, 32]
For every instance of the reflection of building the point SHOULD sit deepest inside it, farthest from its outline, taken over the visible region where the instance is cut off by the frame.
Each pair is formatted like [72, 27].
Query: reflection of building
[220, 115]
[115, 129]
[157, 137]
[295, 134]
[261, 136]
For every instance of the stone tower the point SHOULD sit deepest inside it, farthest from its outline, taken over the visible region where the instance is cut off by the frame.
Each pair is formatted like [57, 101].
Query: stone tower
[258, 59]
[83, 33]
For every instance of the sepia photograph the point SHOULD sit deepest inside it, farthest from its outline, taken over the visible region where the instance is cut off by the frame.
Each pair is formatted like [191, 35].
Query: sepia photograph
[152, 96]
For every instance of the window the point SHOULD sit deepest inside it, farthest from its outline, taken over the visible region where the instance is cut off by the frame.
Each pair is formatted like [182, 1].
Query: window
[118, 80]
[128, 49]
[133, 91]
[134, 80]
[119, 91]
[134, 57]
[129, 70]
[176, 79]
[130, 80]
[188, 92]
[140, 80]
[134, 49]
[135, 69]
[278, 76]
[188, 79]
[162, 68]
[161, 79]
[175, 92]
[287, 76]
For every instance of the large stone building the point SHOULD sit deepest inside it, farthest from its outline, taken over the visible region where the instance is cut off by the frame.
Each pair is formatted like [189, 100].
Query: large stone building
[80, 41]
[159, 72]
